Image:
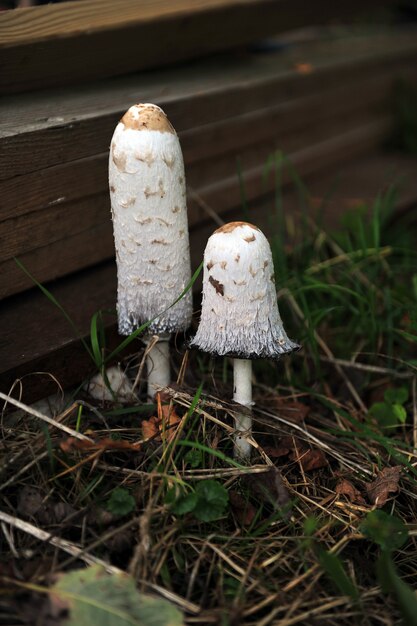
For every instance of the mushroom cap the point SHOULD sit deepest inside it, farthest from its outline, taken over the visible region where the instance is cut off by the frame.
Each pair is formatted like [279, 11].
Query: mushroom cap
[239, 315]
[148, 202]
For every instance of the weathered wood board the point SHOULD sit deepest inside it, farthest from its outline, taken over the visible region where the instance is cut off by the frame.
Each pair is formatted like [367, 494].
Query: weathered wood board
[61, 44]
[37, 338]
[54, 208]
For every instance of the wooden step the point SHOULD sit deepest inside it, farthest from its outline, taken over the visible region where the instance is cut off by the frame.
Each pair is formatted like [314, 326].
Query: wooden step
[37, 338]
[77, 41]
[55, 213]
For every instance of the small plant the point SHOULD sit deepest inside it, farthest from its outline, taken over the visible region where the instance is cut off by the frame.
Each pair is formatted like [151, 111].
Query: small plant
[120, 502]
[207, 503]
[390, 533]
[391, 412]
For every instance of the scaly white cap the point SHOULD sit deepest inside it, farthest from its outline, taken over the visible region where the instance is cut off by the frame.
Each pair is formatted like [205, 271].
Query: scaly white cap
[239, 315]
[148, 202]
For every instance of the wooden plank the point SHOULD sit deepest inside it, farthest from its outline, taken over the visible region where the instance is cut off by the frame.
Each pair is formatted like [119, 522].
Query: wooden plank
[24, 233]
[86, 177]
[307, 161]
[54, 45]
[37, 338]
[75, 252]
[36, 229]
[309, 135]
[221, 197]
[77, 124]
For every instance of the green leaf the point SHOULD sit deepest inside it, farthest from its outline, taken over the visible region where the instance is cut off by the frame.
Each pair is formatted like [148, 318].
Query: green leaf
[194, 458]
[391, 582]
[212, 500]
[388, 531]
[384, 414]
[94, 597]
[185, 504]
[335, 571]
[120, 502]
[399, 412]
[96, 322]
[396, 396]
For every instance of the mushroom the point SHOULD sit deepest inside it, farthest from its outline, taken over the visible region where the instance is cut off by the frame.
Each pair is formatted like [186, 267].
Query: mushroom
[239, 315]
[148, 204]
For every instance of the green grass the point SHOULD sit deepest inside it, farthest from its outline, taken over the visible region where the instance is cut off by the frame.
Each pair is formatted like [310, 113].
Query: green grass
[273, 542]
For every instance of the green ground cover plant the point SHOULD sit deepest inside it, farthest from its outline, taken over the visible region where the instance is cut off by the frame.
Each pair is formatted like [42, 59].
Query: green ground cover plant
[320, 527]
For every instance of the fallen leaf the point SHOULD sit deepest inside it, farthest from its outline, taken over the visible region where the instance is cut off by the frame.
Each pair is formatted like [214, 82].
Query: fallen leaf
[293, 411]
[30, 501]
[385, 483]
[90, 596]
[310, 459]
[270, 487]
[150, 428]
[35, 504]
[344, 487]
[162, 426]
[243, 510]
[105, 444]
[276, 452]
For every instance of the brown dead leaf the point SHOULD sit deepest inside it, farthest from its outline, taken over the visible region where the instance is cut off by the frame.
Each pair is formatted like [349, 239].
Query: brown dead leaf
[270, 487]
[344, 487]
[276, 452]
[150, 428]
[293, 411]
[35, 504]
[385, 483]
[310, 459]
[72, 444]
[242, 509]
[164, 425]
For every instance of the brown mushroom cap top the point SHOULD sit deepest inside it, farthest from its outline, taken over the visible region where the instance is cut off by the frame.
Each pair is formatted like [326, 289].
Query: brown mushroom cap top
[147, 117]
[231, 226]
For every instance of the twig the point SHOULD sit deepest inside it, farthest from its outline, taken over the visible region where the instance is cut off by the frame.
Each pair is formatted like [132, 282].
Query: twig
[147, 350]
[173, 597]
[43, 417]
[414, 390]
[62, 544]
[370, 254]
[23, 470]
[375, 369]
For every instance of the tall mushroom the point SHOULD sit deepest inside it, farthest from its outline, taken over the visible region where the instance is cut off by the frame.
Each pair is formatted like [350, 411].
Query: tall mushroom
[239, 316]
[148, 203]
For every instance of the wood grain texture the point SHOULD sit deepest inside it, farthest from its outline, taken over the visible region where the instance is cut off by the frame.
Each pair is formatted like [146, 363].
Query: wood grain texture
[81, 200]
[74, 124]
[36, 338]
[26, 233]
[75, 252]
[57, 45]
[201, 145]
[90, 246]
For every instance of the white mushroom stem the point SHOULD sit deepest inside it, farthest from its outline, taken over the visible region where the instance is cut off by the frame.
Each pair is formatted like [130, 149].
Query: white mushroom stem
[242, 394]
[158, 367]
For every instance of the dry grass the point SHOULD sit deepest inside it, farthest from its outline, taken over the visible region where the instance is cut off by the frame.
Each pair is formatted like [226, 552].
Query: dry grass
[289, 546]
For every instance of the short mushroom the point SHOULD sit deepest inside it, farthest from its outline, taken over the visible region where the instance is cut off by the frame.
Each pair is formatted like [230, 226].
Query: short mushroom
[239, 316]
[148, 203]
